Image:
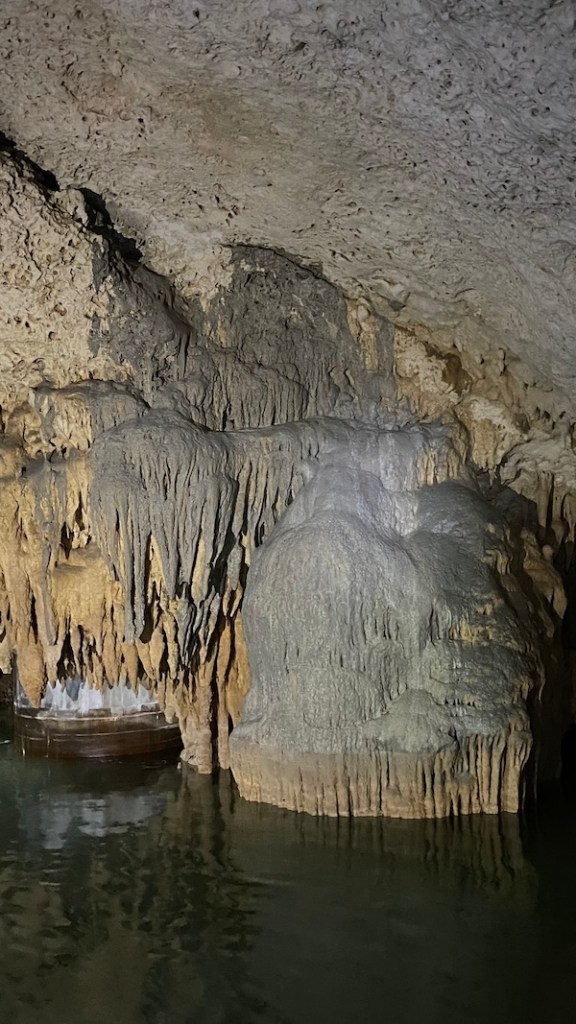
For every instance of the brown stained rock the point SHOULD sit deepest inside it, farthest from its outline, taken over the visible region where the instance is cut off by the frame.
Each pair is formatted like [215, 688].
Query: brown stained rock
[237, 494]
[420, 152]
[484, 775]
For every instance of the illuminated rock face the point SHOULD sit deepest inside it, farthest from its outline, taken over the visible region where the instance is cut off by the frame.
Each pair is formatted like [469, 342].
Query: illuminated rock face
[392, 648]
[420, 151]
[241, 504]
[339, 594]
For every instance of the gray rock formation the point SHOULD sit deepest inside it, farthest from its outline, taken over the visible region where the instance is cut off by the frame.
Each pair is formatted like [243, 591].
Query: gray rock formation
[391, 635]
[420, 151]
[391, 645]
[295, 454]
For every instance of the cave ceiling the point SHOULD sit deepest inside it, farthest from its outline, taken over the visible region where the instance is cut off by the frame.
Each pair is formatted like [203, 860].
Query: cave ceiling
[419, 152]
[287, 417]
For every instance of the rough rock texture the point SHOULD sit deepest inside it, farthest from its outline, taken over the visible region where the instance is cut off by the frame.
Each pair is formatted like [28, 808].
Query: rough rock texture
[391, 631]
[420, 150]
[287, 424]
[392, 644]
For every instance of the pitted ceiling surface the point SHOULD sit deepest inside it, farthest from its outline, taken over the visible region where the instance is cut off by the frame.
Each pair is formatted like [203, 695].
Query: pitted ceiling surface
[421, 151]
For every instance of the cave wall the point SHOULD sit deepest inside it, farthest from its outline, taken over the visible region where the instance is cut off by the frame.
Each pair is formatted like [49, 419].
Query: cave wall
[323, 540]
[420, 151]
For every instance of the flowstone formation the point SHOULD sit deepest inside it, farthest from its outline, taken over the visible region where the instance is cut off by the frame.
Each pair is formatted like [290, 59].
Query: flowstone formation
[387, 632]
[230, 502]
[392, 647]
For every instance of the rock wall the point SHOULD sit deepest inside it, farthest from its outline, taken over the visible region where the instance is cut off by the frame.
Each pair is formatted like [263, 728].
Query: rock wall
[317, 539]
[393, 640]
[420, 151]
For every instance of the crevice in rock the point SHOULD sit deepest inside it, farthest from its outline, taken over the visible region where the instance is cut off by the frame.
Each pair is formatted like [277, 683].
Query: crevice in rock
[45, 179]
[100, 222]
[252, 249]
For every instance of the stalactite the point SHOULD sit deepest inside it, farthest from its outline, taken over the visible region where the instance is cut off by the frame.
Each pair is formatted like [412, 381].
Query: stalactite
[325, 545]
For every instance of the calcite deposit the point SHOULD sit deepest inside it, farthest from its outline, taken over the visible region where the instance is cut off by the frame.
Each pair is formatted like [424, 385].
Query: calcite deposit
[389, 639]
[394, 639]
[287, 432]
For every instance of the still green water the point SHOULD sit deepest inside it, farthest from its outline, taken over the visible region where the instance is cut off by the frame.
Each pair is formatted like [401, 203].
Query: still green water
[132, 894]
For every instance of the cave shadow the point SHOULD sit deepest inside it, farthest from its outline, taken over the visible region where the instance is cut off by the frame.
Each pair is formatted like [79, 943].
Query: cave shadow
[552, 718]
[568, 753]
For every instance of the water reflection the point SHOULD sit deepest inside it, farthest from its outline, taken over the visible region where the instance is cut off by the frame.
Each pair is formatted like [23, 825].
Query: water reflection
[56, 820]
[135, 894]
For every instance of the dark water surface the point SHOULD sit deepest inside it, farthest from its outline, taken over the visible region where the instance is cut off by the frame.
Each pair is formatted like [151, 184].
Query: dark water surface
[148, 895]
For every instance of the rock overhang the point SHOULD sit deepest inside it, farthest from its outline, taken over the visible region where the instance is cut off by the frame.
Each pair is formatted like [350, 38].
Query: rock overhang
[259, 260]
[420, 151]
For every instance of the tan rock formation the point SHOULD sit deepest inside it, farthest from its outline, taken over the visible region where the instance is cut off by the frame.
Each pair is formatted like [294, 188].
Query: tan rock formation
[49, 301]
[325, 543]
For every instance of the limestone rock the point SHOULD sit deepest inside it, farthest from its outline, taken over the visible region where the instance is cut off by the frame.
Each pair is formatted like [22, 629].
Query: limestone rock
[421, 152]
[334, 548]
[388, 636]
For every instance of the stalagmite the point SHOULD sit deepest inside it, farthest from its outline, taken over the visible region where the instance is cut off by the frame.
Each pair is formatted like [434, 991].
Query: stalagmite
[391, 652]
[325, 545]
